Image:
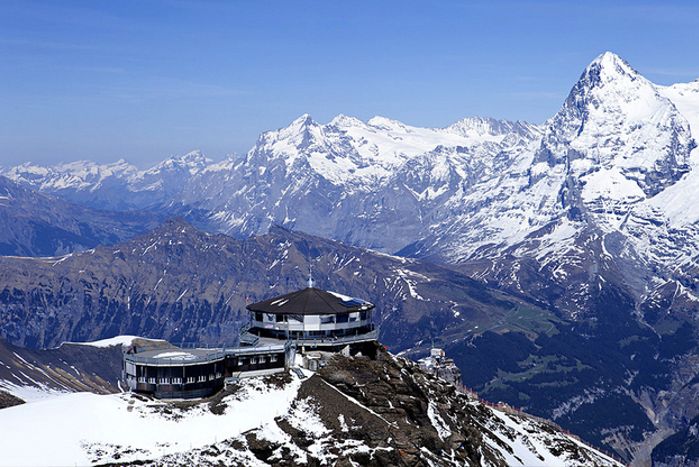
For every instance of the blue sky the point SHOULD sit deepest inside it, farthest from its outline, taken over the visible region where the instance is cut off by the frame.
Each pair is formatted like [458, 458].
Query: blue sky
[146, 79]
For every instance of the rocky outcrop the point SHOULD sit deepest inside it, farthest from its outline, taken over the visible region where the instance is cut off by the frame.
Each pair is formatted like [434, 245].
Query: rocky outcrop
[8, 400]
[387, 412]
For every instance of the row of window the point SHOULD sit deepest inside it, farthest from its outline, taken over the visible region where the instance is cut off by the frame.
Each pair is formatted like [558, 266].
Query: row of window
[324, 319]
[190, 380]
[258, 359]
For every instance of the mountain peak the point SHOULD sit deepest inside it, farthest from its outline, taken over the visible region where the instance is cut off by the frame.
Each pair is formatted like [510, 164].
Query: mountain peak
[384, 122]
[193, 161]
[606, 68]
[342, 120]
[302, 121]
[297, 128]
[608, 58]
[195, 157]
[615, 125]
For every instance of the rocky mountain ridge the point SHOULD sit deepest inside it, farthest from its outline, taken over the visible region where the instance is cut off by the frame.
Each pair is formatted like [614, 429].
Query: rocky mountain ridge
[191, 287]
[471, 190]
[608, 171]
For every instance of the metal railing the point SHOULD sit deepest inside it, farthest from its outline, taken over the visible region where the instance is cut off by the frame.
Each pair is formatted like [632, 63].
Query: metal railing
[287, 326]
[366, 336]
[249, 339]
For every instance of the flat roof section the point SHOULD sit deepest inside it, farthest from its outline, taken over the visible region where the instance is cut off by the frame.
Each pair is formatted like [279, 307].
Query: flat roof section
[174, 356]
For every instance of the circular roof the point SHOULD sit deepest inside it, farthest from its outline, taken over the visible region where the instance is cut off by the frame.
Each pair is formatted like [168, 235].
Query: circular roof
[311, 301]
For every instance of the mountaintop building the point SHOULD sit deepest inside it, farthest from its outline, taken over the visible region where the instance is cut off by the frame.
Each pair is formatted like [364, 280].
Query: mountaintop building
[302, 328]
[311, 318]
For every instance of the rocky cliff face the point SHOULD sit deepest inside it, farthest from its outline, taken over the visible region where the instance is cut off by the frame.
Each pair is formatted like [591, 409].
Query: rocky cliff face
[679, 449]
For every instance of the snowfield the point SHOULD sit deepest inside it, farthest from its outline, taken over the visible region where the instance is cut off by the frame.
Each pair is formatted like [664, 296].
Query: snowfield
[85, 428]
[110, 342]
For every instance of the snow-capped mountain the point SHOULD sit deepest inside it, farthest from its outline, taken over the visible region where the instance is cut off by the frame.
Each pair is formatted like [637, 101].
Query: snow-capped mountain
[362, 182]
[119, 185]
[606, 189]
[612, 155]
[592, 215]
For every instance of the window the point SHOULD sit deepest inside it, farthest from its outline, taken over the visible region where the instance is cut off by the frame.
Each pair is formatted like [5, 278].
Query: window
[258, 316]
[191, 379]
[176, 380]
[327, 319]
[240, 361]
[262, 359]
[151, 380]
[273, 358]
[253, 360]
[342, 317]
[202, 379]
[141, 379]
[164, 381]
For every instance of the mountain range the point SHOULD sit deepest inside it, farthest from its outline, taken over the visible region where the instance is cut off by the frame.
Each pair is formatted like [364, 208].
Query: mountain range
[588, 222]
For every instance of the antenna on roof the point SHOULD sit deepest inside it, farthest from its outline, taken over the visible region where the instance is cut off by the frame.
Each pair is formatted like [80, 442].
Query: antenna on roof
[310, 275]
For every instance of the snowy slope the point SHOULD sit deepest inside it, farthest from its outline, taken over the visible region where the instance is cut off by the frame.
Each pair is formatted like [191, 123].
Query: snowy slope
[317, 419]
[92, 426]
[122, 340]
[675, 202]
[32, 374]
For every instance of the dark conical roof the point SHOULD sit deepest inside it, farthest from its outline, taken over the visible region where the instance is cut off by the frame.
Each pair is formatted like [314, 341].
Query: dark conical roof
[311, 301]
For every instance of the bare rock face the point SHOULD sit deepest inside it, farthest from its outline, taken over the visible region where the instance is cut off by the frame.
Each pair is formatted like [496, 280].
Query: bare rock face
[8, 400]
